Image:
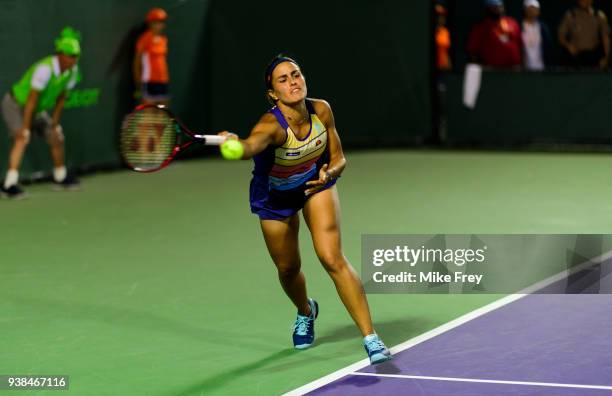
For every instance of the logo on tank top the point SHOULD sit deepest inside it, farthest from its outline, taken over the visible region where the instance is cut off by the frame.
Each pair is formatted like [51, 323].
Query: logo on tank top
[293, 154]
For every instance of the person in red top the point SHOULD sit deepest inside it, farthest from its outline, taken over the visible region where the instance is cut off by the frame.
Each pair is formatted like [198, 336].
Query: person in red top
[150, 66]
[496, 40]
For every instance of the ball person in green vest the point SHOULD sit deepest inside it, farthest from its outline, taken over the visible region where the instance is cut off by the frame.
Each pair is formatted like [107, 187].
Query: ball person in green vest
[25, 107]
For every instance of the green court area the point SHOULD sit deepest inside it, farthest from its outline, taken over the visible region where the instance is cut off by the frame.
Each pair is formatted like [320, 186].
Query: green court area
[160, 284]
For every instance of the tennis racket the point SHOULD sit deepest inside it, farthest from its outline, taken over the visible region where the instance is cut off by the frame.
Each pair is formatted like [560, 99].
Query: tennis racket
[151, 137]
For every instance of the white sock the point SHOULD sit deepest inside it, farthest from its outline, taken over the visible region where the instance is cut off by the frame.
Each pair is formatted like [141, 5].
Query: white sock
[59, 174]
[12, 177]
[370, 337]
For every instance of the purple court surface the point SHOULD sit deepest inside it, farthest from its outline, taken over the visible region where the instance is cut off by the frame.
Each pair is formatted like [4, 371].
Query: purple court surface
[541, 344]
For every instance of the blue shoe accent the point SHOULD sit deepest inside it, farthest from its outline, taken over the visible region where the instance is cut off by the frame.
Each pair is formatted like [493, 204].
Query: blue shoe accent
[376, 349]
[303, 329]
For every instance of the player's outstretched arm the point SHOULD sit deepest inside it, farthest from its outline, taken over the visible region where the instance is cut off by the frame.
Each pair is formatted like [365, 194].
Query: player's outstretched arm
[265, 133]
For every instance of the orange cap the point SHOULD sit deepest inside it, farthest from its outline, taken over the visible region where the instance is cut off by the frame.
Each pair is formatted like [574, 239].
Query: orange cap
[156, 14]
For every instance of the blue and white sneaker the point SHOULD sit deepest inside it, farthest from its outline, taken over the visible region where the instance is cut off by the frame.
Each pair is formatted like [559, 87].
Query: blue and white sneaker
[376, 349]
[303, 329]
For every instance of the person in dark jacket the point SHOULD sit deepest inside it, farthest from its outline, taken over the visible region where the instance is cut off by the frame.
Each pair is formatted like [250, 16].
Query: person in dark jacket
[537, 40]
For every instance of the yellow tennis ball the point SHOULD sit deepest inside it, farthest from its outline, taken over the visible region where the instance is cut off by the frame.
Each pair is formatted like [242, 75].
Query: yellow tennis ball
[232, 149]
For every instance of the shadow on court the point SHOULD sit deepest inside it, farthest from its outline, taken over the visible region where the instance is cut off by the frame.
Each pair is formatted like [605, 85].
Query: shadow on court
[218, 381]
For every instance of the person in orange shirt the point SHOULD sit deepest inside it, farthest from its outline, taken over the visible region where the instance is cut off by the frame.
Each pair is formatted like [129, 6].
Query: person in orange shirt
[443, 40]
[150, 67]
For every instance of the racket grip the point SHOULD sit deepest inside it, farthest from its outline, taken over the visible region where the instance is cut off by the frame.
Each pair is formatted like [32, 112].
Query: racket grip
[213, 140]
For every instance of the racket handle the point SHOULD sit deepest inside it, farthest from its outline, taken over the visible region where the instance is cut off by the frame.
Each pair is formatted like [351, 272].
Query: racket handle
[213, 140]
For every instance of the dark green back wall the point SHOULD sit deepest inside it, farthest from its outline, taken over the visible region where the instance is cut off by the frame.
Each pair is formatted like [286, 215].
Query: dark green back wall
[370, 60]
[524, 108]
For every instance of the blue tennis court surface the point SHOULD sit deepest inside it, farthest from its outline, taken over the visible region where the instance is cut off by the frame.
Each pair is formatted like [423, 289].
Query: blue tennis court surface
[538, 344]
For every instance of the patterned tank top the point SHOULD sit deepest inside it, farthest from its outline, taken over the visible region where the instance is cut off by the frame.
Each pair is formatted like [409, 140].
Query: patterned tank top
[290, 165]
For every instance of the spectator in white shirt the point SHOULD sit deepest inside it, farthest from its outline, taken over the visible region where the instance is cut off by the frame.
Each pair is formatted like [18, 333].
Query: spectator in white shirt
[536, 36]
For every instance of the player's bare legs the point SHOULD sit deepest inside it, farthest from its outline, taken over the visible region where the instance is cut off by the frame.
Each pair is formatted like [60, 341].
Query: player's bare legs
[322, 215]
[281, 238]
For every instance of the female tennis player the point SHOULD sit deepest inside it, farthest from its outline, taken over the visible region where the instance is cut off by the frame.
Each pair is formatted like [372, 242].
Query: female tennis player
[298, 158]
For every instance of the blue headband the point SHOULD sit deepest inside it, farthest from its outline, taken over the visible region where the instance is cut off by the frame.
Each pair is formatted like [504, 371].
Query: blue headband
[277, 61]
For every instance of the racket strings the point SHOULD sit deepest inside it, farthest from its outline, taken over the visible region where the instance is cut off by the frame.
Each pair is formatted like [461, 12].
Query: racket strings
[148, 138]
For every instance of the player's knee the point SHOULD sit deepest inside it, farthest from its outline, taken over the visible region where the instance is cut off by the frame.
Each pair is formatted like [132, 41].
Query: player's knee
[288, 270]
[332, 262]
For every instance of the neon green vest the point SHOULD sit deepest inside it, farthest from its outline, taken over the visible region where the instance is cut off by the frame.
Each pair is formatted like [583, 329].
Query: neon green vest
[48, 96]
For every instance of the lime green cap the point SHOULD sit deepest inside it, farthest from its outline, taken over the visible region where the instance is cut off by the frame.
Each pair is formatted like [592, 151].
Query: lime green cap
[68, 42]
[68, 46]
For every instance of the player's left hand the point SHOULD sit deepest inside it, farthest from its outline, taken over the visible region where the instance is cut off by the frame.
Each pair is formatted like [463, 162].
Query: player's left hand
[317, 185]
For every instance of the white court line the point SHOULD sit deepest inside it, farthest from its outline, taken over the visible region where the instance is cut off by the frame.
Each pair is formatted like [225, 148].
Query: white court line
[343, 372]
[484, 381]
